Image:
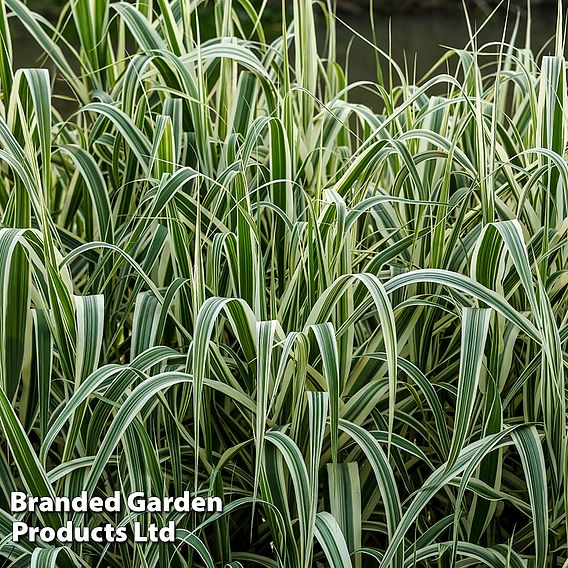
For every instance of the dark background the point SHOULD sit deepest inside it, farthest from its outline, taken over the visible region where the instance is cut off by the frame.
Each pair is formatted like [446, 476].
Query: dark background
[405, 6]
[359, 7]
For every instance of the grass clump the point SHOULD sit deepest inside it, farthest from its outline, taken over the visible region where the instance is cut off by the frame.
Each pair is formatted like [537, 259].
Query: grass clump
[219, 275]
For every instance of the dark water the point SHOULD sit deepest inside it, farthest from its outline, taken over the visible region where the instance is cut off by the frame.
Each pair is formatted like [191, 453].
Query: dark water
[417, 42]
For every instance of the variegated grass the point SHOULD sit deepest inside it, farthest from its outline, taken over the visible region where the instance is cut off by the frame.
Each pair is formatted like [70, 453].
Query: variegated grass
[220, 275]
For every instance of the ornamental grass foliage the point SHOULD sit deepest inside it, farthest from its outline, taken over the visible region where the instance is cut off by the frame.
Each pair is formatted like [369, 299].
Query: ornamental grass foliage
[219, 275]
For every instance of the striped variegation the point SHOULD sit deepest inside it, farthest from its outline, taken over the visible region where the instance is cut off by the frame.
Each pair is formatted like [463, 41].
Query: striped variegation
[220, 275]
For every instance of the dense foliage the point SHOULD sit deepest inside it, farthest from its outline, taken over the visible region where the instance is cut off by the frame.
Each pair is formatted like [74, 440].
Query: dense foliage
[219, 275]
